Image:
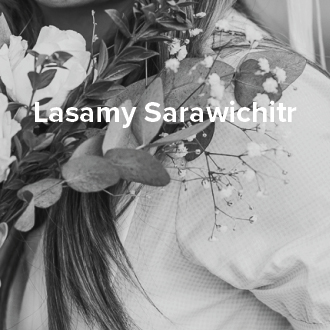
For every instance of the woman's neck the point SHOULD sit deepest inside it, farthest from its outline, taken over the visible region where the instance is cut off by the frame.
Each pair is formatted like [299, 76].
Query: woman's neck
[80, 19]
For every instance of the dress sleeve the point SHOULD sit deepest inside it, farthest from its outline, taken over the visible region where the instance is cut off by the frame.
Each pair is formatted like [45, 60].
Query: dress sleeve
[284, 257]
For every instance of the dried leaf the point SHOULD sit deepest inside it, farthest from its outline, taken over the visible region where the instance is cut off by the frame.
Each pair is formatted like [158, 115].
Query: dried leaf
[27, 219]
[138, 166]
[45, 192]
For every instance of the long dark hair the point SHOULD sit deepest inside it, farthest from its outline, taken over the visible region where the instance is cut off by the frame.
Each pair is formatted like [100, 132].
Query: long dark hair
[81, 245]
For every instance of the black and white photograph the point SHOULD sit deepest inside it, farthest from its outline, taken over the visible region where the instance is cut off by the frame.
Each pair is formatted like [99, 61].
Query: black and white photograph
[164, 165]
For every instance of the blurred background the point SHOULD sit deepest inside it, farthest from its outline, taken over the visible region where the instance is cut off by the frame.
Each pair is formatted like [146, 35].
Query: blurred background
[303, 23]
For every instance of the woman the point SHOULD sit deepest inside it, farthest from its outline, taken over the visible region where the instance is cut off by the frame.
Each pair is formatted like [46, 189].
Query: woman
[274, 275]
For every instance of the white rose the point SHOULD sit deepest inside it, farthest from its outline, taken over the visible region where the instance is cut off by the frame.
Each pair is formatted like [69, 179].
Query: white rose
[8, 128]
[14, 66]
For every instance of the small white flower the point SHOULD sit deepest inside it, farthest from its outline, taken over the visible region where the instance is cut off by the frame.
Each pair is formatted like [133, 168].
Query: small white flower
[253, 219]
[182, 53]
[217, 86]
[261, 128]
[255, 149]
[172, 64]
[223, 229]
[264, 65]
[249, 175]
[200, 15]
[206, 184]
[279, 151]
[213, 103]
[222, 25]
[226, 192]
[182, 173]
[261, 193]
[201, 80]
[280, 75]
[252, 34]
[174, 47]
[213, 239]
[208, 61]
[262, 100]
[191, 138]
[270, 85]
[195, 32]
[187, 41]
[95, 38]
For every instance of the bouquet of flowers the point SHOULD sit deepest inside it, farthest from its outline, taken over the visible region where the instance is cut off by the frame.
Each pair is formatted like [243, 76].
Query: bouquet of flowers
[38, 158]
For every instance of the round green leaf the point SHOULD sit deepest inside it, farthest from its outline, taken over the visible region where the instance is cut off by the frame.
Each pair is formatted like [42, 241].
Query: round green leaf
[27, 219]
[248, 84]
[92, 146]
[45, 192]
[89, 174]
[138, 166]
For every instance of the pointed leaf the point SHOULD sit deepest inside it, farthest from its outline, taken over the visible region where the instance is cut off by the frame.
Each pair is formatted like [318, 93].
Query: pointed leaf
[136, 54]
[120, 71]
[138, 166]
[103, 58]
[114, 15]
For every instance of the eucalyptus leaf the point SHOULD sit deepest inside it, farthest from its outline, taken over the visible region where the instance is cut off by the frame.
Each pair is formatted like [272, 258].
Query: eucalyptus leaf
[291, 62]
[138, 166]
[89, 174]
[117, 136]
[143, 130]
[92, 146]
[248, 84]
[45, 192]
[27, 219]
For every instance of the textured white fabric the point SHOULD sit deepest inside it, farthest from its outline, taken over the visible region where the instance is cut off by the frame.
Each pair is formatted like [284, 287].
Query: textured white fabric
[271, 275]
[300, 17]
